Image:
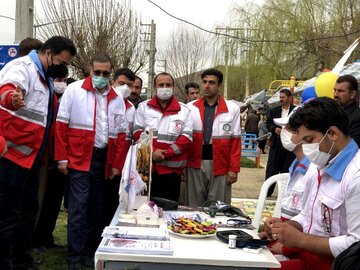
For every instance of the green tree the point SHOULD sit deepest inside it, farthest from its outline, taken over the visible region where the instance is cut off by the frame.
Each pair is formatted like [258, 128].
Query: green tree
[293, 37]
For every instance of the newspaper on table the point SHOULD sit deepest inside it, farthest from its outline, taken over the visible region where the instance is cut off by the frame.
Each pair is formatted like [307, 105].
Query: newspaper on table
[136, 246]
[136, 240]
[136, 233]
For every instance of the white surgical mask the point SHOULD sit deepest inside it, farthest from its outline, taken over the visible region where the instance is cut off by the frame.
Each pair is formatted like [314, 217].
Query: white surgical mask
[285, 137]
[60, 87]
[164, 93]
[312, 152]
[124, 90]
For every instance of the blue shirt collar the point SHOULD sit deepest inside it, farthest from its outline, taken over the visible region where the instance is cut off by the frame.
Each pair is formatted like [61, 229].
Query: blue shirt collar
[35, 57]
[299, 167]
[337, 166]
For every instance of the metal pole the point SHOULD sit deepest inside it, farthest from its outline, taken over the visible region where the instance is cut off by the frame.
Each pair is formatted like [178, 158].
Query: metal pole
[247, 54]
[152, 52]
[226, 64]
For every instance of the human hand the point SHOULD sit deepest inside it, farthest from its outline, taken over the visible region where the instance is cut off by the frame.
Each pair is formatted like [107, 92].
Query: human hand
[17, 99]
[286, 234]
[278, 131]
[158, 155]
[268, 225]
[113, 173]
[231, 177]
[276, 248]
[63, 167]
[263, 235]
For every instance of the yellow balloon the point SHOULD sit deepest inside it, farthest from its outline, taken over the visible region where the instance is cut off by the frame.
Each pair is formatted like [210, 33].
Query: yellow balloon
[324, 84]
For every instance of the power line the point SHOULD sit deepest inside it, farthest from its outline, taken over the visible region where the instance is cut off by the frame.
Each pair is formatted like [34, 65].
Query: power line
[245, 40]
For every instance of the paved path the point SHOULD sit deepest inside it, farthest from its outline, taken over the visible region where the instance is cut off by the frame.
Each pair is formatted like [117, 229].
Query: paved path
[250, 181]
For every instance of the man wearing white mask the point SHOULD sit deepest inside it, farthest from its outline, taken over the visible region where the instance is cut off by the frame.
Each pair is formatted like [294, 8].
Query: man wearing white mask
[123, 80]
[329, 222]
[171, 123]
[297, 187]
[89, 146]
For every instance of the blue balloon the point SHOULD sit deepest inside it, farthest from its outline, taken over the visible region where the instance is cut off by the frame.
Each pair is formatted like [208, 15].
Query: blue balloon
[308, 93]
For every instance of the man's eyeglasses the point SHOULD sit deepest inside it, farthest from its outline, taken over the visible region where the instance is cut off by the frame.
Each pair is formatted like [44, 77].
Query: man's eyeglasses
[102, 73]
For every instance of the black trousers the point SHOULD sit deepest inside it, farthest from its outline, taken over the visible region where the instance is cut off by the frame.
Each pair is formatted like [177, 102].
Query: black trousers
[85, 195]
[279, 161]
[19, 204]
[110, 199]
[54, 194]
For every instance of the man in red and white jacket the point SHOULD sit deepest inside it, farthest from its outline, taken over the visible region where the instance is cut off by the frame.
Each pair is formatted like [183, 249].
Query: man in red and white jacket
[90, 138]
[214, 156]
[171, 123]
[123, 80]
[26, 115]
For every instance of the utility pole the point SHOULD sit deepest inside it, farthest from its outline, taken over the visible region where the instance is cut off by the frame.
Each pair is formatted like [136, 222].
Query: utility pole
[226, 73]
[246, 35]
[24, 19]
[164, 65]
[152, 52]
[247, 54]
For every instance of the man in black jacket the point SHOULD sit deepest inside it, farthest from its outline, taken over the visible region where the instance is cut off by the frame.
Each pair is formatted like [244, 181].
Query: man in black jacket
[346, 94]
[279, 159]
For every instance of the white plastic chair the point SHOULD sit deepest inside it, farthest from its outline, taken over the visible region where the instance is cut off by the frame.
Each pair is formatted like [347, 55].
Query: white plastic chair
[281, 180]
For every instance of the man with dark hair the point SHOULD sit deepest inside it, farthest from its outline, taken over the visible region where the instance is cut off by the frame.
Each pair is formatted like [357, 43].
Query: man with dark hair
[89, 146]
[192, 91]
[329, 221]
[346, 94]
[123, 80]
[214, 156]
[171, 123]
[279, 159]
[213, 72]
[29, 44]
[26, 113]
[135, 97]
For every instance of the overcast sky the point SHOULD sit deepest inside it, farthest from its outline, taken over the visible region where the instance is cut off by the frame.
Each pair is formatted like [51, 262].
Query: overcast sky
[205, 13]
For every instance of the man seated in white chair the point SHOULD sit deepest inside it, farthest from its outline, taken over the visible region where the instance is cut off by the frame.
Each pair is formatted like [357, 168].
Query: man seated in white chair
[330, 220]
[294, 197]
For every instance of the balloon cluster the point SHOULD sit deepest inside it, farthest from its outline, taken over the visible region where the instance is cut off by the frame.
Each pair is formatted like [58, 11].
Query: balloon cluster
[324, 87]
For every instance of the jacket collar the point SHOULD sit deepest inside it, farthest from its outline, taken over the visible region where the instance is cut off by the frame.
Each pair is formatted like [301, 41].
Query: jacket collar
[35, 58]
[338, 165]
[128, 104]
[221, 108]
[299, 167]
[350, 107]
[88, 86]
[172, 108]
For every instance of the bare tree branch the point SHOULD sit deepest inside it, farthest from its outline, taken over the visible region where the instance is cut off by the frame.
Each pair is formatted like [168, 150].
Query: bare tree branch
[96, 26]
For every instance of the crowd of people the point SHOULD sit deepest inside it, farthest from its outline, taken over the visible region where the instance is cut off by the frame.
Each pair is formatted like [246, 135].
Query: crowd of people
[81, 132]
